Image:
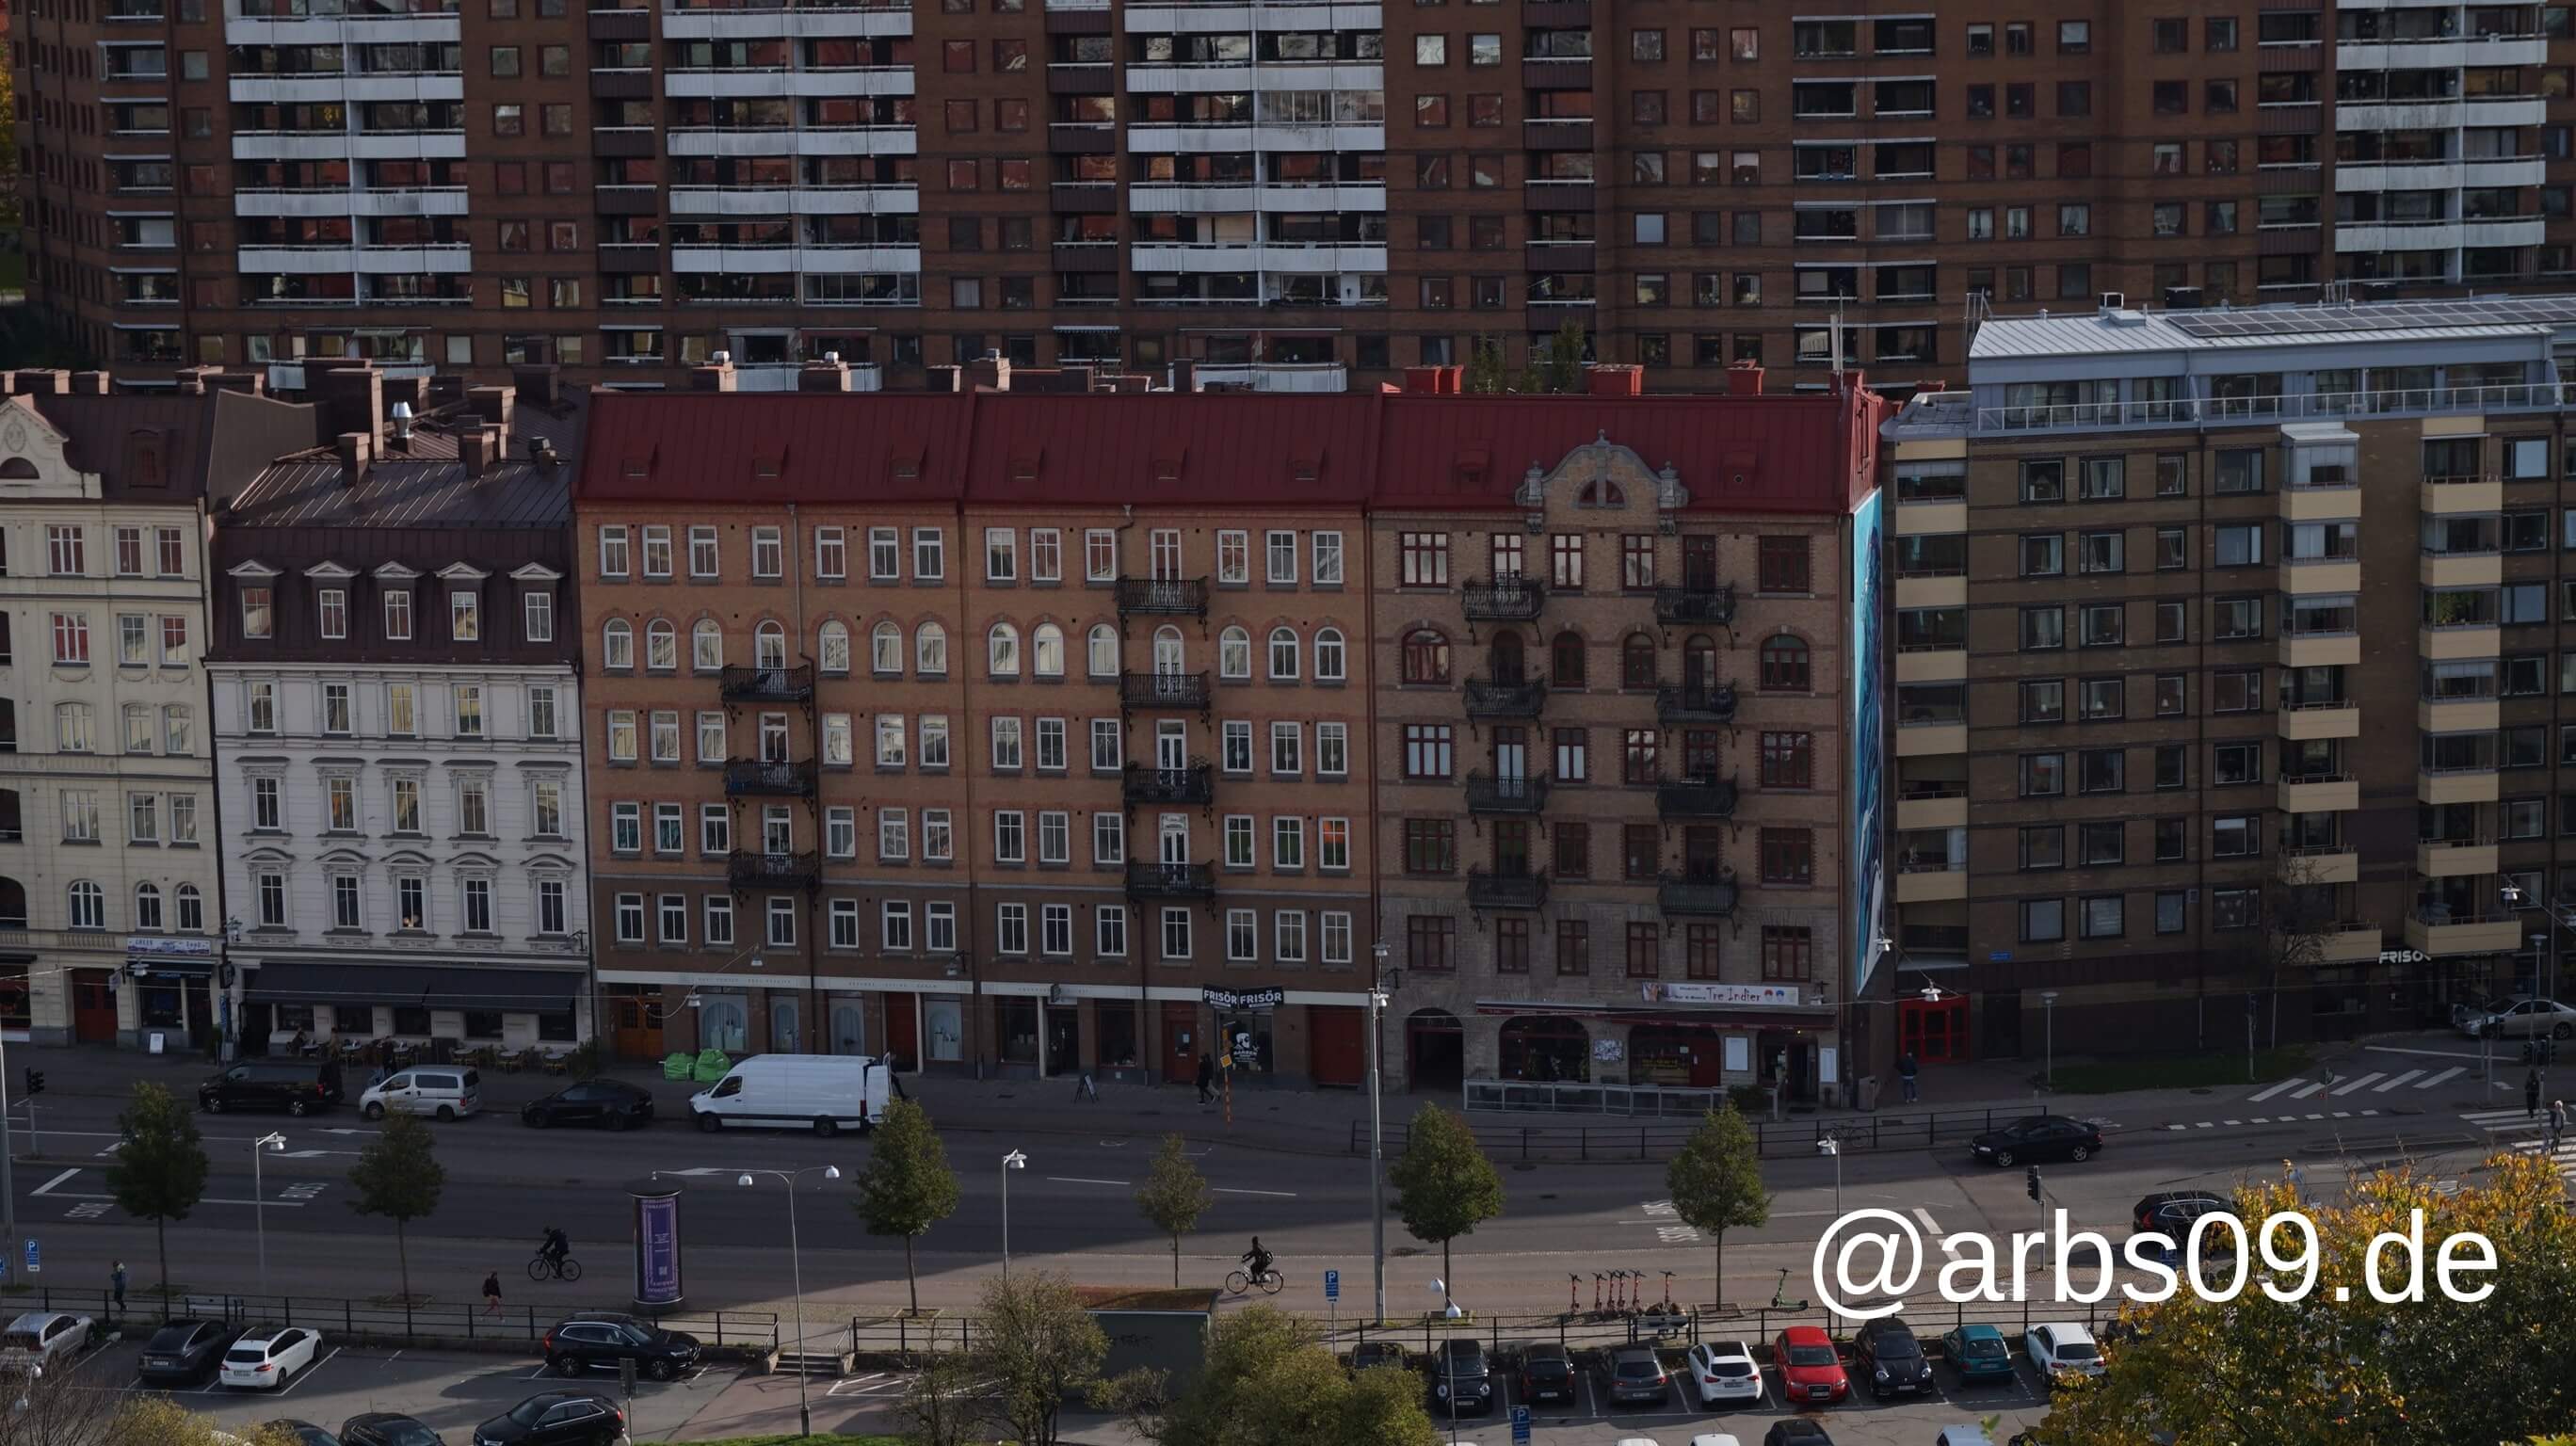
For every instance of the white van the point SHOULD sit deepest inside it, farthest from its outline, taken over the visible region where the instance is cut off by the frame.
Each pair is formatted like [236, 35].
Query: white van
[825, 1093]
[450, 1092]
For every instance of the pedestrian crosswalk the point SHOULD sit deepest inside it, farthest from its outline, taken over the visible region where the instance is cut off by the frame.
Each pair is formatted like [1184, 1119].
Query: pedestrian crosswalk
[2524, 1133]
[2377, 1082]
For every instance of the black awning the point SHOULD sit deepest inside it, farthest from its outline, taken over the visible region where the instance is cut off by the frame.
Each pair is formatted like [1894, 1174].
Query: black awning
[433, 986]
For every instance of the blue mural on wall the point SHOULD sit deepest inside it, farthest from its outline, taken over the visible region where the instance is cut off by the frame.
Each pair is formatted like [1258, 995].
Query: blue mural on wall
[1866, 858]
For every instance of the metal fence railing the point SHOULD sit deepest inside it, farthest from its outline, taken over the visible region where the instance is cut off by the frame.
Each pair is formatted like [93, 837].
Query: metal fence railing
[408, 1322]
[1650, 1142]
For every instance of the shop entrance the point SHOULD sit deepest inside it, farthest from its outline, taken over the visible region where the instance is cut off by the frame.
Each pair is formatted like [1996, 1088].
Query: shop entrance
[1546, 1049]
[93, 1007]
[1063, 1039]
[1934, 1031]
[1435, 1050]
[635, 1021]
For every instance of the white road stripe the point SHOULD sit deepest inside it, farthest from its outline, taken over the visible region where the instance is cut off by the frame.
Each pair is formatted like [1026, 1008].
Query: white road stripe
[2348, 1086]
[2231, 1122]
[2449, 1074]
[2435, 1053]
[2271, 1091]
[2399, 1080]
[1079, 1180]
[2311, 1087]
[1282, 1194]
[48, 1186]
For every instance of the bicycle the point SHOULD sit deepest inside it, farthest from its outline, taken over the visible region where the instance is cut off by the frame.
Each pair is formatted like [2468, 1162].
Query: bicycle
[1269, 1280]
[546, 1267]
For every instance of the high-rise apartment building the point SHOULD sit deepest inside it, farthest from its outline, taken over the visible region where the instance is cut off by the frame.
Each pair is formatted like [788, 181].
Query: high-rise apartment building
[2232, 674]
[1298, 195]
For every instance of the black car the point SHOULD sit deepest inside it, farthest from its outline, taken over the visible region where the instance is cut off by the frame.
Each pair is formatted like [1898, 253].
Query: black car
[1887, 1357]
[613, 1104]
[597, 1341]
[1635, 1376]
[297, 1086]
[2040, 1137]
[1797, 1431]
[1369, 1355]
[1547, 1373]
[2172, 1211]
[386, 1428]
[556, 1418]
[304, 1432]
[1460, 1380]
[184, 1352]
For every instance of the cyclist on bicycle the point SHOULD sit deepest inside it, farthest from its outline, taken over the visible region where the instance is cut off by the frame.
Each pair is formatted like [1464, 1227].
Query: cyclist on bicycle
[1257, 1259]
[556, 1247]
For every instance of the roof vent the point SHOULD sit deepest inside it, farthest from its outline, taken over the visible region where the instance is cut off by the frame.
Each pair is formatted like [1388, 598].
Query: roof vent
[2114, 300]
[722, 358]
[401, 416]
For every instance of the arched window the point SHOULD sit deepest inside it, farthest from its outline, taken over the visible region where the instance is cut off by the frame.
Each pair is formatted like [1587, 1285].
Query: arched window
[930, 650]
[617, 644]
[1601, 492]
[1170, 654]
[147, 908]
[192, 910]
[1283, 654]
[1637, 661]
[661, 646]
[832, 648]
[1332, 660]
[1046, 651]
[769, 646]
[1784, 664]
[89, 905]
[1504, 657]
[885, 649]
[17, 469]
[706, 645]
[1426, 656]
[1002, 651]
[1101, 652]
[13, 904]
[1565, 661]
[1234, 655]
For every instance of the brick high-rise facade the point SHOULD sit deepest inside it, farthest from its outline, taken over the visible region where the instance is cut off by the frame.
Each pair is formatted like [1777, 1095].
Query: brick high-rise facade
[1298, 195]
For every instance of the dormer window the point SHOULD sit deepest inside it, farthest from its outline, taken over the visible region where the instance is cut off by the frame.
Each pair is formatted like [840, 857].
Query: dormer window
[464, 617]
[331, 611]
[540, 611]
[536, 583]
[398, 615]
[258, 611]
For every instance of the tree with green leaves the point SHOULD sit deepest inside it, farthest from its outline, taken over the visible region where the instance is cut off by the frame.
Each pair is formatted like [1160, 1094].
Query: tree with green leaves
[1444, 1185]
[398, 1176]
[906, 1186]
[160, 1169]
[1269, 1382]
[1561, 369]
[1484, 372]
[1716, 1184]
[945, 1404]
[1039, 1348]
[1174, 1195]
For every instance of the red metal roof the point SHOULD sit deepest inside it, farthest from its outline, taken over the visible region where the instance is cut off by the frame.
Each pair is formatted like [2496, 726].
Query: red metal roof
[1759, 454]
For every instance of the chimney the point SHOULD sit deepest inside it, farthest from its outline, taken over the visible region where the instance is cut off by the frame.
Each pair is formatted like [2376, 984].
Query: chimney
[831, 374]
[493, 405]
[354, 449]
[474, 449]
[43, 381]
[1185, 375]
[352, 400]
[715, 376]
[192, 380]
[398, 439]
[89, 384]
[1074, 379]
[990, 372]
[1453, 380]
[1744, 379]
[1615, 381]
[407, 391]
[254, 383]
[1935, 385]
[942, 379]
[446, 389]
[1422, 381]
[535, 382]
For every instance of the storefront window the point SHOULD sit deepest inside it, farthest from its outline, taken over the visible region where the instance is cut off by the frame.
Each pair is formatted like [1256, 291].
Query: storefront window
[557, 1025]
[482, 1024]
[160, 1005]
[1677, 1055]
[411, 1020]
[357, 1019]
[1116, 1025]
[723, 1024]
[294, 1017]
[1546, 1049]
[1017, 1022]
[943, 1020]
[16, 1009]
[1247, 1039]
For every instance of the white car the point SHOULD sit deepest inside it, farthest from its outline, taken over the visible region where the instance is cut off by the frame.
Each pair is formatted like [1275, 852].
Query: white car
[2524, 1019]
[266, 1355]
[1716, 1438]
[42, 1338]
[2062, 1349]
[1724, 1371]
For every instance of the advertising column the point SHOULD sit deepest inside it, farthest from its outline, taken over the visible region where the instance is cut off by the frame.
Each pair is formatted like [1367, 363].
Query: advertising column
[657, 1246]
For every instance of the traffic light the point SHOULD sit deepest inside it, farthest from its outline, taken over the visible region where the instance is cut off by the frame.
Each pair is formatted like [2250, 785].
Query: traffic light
[2030, 1180]
[35, 1082]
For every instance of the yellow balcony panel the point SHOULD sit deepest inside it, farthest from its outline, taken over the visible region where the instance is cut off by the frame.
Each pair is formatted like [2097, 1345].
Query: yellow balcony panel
[1931, 740]
[2468, 569]
[2321, 720]
[2438, 645]
[2334, 865]
[2454, 860]
[2350, 943]
[1915, 519]
[2321, 650]
[2320, 504]
[2320, 793]
[1931, 886]
[2464, 785]
[2459, 715]
[1914, 813]
[1932, 665]
[2320, 577]
[2500, 934]
[1931, 592]
[2466, 494]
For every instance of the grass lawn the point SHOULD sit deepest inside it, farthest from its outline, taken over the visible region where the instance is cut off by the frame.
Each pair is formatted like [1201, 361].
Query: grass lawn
[2179, 1071]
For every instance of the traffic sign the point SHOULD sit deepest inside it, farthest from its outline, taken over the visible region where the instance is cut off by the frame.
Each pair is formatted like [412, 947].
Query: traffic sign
[1520, 1426]
[35, 1260]
[1332, 1285]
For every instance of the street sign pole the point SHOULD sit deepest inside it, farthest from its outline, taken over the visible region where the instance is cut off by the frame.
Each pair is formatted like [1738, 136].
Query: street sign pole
[1333, 1304]
[1520, 1426]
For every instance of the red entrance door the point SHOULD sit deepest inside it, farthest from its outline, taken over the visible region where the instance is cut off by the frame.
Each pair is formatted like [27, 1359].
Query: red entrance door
[1339, 1043]
[903, 1030]
[93, 1007]
[1934, 1031]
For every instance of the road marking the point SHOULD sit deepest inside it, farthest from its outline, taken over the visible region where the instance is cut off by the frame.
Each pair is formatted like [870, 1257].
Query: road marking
[2435, 1053]
[87, 1210]
[2452, 1073]
[2399, 1080]
[2231, 1122]
[1079, 1180]
[1282, 1194]
[2311, 1087]
[2348, 1086]
[2171, 1126]
[309, 1370]
[2271, 1090]
[48, 1186]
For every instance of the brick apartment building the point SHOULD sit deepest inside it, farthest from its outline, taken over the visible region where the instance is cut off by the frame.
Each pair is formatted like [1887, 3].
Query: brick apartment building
[1039, 733]
[2248, 637]
[1298, 194]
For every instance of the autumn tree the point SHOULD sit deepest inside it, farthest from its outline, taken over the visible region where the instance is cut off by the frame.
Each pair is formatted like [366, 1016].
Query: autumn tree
[1445, 1187]
[1174, 1195]
[1716, 1184]
[906, 1186]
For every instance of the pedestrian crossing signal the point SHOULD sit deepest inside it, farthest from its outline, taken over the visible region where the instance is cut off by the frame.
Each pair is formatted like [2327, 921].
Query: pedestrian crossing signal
[35, 1084]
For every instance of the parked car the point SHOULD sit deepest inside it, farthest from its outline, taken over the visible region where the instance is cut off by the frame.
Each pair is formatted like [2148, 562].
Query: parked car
[608, 1103]
[1809, 1369]
[1797, 1431]
[2062, 1349]
[2525, 1019]
[1369, 1355]
[1634, 1376]
[266, 1355]
[1724, 1371]
[297, 1086]
[1715, 1438]
[599, 1340]
[1547, 1373]
[304, 1432]
[1460, 1379]
[2172, 1211]
[1977, 1353]
[555, 1418]
[449, 1092]
[42, 1338]
[184, 1352]
[387, 1428]
[825, 1093]
[2040, 1137]
[1964, 1434]
[2461, 1014]
[1887, 1356]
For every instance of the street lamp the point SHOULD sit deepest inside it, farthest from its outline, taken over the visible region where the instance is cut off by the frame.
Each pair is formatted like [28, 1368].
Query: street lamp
[1012, 1161]
[1445, 1378]
[796, 1265]
[1381, 987]
[265, 1144]
[1830, 1145]
[2048, 1015]
[2516, 897]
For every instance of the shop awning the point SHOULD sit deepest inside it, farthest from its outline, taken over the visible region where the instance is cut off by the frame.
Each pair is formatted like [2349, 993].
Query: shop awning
[434, 986]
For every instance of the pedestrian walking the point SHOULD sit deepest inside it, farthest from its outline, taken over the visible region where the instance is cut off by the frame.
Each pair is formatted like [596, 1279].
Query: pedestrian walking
[2557, 1124]
[1084, 1089]
[2530, 1093]
[1906, 1069]
[492, 1292]
[116, 1285]
[1207, 1078]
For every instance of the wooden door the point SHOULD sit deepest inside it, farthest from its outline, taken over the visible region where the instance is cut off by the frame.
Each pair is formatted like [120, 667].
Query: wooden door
[93, 1007]
[903, 1030]
[1181, 1042]
[635, 1025]
[1338, 1041]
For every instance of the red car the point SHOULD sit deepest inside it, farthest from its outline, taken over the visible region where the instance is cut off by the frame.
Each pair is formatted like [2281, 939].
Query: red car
[1810, 1372]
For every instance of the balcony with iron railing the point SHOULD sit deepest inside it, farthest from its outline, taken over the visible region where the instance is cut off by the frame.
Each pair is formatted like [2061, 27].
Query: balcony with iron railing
[767, 685]
[1696, 798]
[1195, 783]
[1147, 879]
[1509, 793]
[1696, 703]
[1163, 596]
[745, 869]
[1696, 895]
[1522, 888]
[1511, 598]
[751, 776]
[1519, 698]
[1695, 604]
[1163, 690]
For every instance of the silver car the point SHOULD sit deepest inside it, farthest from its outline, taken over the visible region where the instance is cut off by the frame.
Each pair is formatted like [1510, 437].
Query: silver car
[2524, 1019]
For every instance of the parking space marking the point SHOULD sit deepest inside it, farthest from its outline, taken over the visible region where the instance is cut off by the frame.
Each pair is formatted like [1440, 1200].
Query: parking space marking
[309, 1372]
[47, 1187]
